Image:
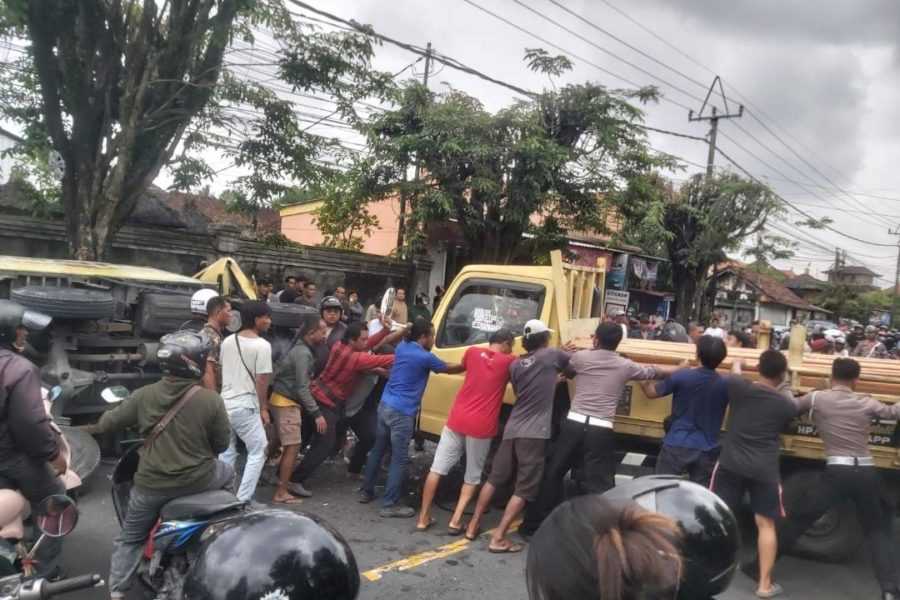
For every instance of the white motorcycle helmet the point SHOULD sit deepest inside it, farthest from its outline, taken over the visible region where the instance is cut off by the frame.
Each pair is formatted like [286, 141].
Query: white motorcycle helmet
[200, 299]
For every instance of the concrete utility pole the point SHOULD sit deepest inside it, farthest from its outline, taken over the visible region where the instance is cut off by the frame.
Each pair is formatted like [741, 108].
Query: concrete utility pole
[713, 118]
[401, 230]
[895, 300]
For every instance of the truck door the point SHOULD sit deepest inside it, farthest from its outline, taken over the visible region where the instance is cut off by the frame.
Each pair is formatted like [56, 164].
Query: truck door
[474, 308]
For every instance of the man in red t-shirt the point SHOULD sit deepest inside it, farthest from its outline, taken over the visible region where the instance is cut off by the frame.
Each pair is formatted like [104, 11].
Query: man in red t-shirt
[472, 424]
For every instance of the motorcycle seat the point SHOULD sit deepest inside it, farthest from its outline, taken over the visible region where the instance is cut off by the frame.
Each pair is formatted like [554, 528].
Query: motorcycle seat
[200, 505]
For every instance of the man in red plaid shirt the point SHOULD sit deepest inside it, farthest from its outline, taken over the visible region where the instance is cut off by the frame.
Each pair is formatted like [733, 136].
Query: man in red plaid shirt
[347, 360]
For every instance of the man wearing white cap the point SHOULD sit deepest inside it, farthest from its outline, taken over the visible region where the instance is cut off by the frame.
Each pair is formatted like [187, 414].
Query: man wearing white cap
[520, 457]
[217, 311]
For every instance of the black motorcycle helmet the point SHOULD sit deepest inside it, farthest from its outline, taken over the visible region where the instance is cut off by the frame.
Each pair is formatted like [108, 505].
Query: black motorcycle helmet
[711, 539]
[673, 331]
[330, 302]
[273, 555]
[14, 315]
[184, 353]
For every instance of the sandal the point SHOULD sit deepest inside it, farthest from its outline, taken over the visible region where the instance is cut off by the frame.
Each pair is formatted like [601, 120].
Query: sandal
[512, 548]
[421, 529]
[455, 531]
[473, 537]
[291, 500]
[773, 591]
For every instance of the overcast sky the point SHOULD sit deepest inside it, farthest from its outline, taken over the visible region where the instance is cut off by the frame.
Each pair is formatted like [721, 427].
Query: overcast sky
[823, 76]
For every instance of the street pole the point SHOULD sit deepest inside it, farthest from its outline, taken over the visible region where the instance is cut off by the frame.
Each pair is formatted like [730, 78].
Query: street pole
[895, 314]
[713, 118]
[401, 230]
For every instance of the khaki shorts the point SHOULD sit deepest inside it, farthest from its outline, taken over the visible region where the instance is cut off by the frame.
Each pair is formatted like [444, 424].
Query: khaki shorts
[287, 420]
[451, 448]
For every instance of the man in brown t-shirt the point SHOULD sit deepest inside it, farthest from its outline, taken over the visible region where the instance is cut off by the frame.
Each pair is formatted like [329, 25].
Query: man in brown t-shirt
[218, 312]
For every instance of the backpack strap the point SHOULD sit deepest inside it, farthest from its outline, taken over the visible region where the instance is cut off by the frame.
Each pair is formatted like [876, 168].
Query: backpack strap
[170, 415]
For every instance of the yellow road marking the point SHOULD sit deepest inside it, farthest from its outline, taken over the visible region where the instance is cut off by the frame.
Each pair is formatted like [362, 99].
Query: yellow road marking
[416, 560]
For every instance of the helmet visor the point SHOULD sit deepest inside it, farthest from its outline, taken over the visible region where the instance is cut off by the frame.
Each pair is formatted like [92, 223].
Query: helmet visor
[35, 321]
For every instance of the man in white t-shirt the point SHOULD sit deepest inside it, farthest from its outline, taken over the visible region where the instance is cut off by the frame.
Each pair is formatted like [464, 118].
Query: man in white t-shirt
[715, 331]
[246, 362]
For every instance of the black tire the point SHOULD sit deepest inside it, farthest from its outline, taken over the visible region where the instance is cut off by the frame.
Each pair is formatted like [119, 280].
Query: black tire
[159, 314]
[290, 315]
[834, 538]
[66, 303]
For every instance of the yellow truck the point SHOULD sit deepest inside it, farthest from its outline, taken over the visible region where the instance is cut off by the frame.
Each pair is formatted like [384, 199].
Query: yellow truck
[483, 298]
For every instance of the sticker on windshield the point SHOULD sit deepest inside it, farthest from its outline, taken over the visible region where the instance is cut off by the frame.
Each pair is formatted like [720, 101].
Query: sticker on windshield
[484, 319]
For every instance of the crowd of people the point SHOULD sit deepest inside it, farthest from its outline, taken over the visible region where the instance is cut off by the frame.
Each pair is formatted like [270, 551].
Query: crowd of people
[342, 373]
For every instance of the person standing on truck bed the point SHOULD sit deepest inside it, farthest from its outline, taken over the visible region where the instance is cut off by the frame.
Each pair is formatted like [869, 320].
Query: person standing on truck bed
[844, 421]
[520, 457]
[749, 461]
[471, 425]
[699, 400]
[586, 434]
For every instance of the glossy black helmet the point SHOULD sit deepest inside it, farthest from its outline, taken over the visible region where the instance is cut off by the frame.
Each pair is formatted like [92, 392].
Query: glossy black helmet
[673, 331]
[14, 315]
[184, 354]
[273, 555]
[711, 539]
[330, 302]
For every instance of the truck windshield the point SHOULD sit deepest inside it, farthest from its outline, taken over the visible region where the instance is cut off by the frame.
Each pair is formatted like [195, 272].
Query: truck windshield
[482, 306]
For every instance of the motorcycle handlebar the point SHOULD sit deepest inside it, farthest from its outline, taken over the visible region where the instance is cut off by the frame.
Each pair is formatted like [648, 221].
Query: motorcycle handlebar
[72, 584]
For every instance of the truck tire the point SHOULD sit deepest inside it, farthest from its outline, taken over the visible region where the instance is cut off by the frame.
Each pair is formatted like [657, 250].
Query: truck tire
[290, 315]
[834, 538]
[65, 303]
[159, 314]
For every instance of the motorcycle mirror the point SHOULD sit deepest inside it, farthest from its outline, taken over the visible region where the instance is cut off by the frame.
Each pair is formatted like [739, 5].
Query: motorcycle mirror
[114, 394]
[56, 516]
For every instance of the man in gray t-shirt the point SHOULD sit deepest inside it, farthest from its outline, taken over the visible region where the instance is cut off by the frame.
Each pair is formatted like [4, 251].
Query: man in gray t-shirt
[534, 377]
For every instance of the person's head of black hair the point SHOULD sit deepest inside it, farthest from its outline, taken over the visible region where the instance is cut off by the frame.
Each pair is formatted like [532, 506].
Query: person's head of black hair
[608, 336]
[215, 304]
[263, 280]
[818, 335]
[711, 351]
[502, 336]
[353, 331]
[536, 341]
[743, 339]
[590, 547]
[289, 296]
[251, 311]
[772, 365]
[289, 280]
[422, 331]
[308, 322]
[845, 370]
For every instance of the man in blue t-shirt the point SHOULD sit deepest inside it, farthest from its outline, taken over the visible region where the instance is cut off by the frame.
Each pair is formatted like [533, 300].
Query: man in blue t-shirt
[699, 400]
[413, 363]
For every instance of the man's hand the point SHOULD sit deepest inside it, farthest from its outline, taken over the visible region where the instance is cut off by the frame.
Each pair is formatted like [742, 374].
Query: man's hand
[737, 365]
[569, 347]
[381, 372]
[59, 464]
[265, 416]
[386, 322]
[321, 425]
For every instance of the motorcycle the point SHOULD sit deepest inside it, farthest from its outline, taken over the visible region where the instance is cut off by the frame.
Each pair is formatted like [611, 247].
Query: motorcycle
[173, 544]
[55, 517]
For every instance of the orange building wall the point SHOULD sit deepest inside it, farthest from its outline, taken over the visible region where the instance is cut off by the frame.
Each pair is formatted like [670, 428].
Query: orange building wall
[298, 225]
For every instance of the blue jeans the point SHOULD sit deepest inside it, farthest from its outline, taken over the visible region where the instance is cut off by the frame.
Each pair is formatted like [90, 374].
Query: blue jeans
[394, 429]
[246, 424]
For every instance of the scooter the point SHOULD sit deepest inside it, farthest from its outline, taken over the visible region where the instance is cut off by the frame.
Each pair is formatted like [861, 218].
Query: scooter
[173, 544]
[55, 516]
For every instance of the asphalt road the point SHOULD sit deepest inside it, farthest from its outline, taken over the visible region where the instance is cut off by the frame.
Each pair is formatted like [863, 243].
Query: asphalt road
[450, 569]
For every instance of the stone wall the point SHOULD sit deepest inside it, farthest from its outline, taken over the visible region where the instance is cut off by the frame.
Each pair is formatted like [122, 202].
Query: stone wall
[182, 252]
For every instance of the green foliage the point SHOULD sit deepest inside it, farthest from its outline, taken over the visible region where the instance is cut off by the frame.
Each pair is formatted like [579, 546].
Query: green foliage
[344, 217]
[849, 302]
[513, 181]
[768, 248]
[540, 61]
[696, 225]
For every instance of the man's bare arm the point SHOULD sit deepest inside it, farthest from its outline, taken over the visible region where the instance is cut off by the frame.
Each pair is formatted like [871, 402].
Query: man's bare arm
[455, 369]
[649, 388]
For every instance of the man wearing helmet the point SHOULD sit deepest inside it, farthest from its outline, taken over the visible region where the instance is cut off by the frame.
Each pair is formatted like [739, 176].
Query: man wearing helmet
[30, 458]
[182, 458]
[331, 310]
[870, 347]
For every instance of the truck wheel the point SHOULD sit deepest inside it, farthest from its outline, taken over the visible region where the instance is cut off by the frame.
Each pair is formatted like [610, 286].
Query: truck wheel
[65, 303]
[835, 537]
[159, 314]
[289, 315]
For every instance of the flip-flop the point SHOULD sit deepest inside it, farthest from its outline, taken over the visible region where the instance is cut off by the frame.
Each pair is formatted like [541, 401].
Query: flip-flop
[472, 538]
[291, 500]
[511, 549]
[773, 591]
[421, 529]
[455, 531]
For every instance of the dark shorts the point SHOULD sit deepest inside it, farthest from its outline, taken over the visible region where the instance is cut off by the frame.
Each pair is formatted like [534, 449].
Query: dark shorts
[697, 464]
[765, 496]
[524, 459]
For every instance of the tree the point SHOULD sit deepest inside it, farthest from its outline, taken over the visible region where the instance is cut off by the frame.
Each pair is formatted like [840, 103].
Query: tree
[344, 217]
[696, 225]
[516, 180]
[121, 89]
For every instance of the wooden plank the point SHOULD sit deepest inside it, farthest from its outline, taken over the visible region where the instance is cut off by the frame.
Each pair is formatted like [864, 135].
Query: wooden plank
[562, 300]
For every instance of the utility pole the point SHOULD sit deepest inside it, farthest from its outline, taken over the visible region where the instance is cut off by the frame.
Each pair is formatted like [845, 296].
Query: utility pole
[401, 230]
[713, 118]
[895, 305]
